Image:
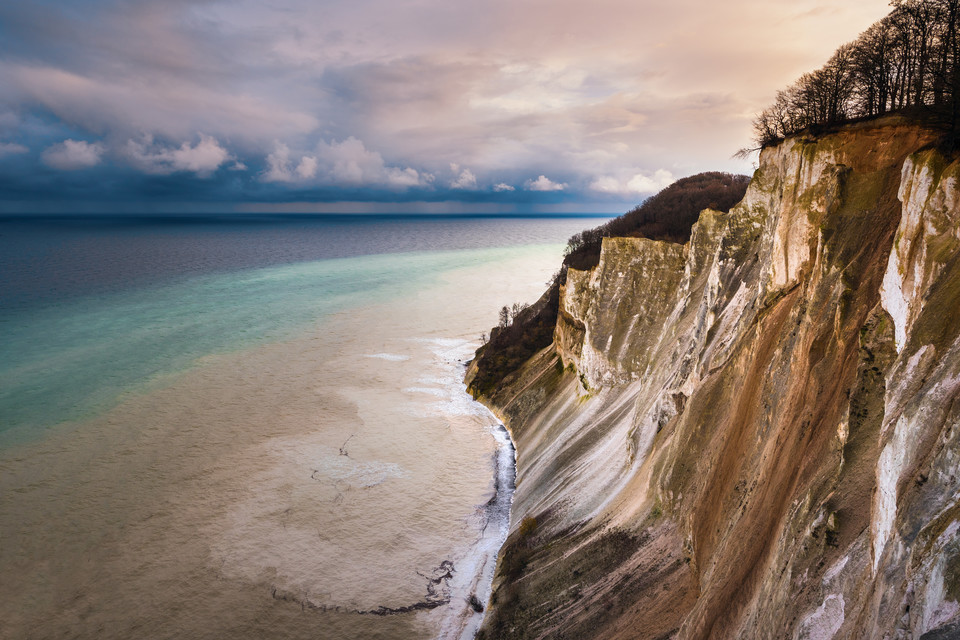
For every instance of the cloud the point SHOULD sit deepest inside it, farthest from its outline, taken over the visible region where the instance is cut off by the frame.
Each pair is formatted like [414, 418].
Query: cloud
[661, 179]
[629, 88]
[307, 167]
[350, 162]
[278, 165]
[11, 148]
[344, 163]
[638, 183]
[543, 183]
[203, 158]
[407, 177]
[71, 155]
[171, 107]
[607, 184]
[466, 180]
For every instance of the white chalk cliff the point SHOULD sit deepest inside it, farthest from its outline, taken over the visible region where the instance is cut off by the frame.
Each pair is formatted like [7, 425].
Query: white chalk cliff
[756, 434]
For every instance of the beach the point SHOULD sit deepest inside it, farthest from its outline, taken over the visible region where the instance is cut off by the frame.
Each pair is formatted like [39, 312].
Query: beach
[337, 483]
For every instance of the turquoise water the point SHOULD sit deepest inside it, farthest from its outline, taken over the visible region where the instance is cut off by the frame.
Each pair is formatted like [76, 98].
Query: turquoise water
[253, 431]
[72, 360]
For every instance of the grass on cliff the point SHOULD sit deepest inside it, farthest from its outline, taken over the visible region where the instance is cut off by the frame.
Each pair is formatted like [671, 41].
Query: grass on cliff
[668, 216]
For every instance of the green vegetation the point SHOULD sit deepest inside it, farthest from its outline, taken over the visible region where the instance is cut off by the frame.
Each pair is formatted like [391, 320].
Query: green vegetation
[523, 330]
[527, 526]
[516, 556]
[657, 509]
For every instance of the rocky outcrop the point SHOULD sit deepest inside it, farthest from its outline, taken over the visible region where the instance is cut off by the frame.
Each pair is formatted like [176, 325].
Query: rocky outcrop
[611, 315]
[753, 435]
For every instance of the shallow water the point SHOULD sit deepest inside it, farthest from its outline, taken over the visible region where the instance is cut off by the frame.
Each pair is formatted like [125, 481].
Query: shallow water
[280, 450]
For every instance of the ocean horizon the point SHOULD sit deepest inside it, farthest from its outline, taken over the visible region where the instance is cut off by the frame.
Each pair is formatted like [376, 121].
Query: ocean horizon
[218, 415]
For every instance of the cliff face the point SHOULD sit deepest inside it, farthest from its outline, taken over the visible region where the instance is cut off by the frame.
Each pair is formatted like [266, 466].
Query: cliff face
[753, 435]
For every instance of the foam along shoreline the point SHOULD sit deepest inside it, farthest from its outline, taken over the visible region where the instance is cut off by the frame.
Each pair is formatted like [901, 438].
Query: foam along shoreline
[279, 511]
[472, 578]
[495, 526]
[477, 567]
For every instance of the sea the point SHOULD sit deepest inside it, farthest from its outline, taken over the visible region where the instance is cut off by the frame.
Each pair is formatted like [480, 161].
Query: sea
[254, 426]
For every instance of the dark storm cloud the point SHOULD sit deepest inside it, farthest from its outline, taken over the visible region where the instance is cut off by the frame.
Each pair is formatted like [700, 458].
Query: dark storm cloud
[304, 101]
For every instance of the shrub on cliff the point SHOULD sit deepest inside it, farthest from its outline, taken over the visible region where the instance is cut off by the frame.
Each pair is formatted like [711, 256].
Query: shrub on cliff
[667, 216]
[522, 332]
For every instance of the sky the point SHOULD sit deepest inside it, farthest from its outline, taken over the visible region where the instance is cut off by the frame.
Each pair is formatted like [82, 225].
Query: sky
[360, 106]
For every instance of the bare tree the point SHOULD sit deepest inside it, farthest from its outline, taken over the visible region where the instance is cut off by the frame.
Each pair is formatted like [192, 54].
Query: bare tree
[910, 58]
[504, 317]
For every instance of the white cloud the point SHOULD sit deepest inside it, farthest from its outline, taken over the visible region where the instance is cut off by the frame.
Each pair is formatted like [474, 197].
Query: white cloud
[347, 163]
[71, 155]
[278, 165]
[307, 167]
[407, 177]
[607, 184]
[503, 186]
[11, 148]
[661, 179]
[543, 183]
[466, 180]
[203, 158]
[350, 162]
[639, 183]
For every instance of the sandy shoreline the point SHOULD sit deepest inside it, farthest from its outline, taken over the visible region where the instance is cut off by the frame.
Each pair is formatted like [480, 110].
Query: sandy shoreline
[184, 509]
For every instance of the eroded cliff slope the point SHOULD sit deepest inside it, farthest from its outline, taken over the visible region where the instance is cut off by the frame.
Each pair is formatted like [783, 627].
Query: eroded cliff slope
[753, 435]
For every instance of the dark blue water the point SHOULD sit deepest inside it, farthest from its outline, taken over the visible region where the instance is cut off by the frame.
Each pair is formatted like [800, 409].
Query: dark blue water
[49, 259]
[92, 308]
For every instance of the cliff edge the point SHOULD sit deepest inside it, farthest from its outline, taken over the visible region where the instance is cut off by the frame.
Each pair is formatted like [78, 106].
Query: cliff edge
[753, 435]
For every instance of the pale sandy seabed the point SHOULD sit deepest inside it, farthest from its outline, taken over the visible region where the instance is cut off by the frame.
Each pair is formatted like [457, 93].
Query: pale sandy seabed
[273, 492]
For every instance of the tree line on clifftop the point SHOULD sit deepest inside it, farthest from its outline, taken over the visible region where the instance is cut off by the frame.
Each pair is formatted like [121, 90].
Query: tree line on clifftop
[908, 62]
[668, 216]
